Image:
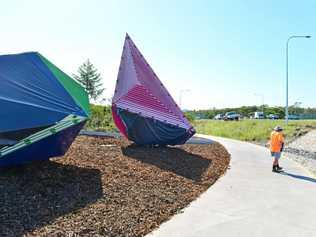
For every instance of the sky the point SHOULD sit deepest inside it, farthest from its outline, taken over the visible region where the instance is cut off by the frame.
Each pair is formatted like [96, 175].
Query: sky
[209, 53]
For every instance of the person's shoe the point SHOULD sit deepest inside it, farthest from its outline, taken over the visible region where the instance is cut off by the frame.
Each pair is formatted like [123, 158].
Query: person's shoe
[279, 168]
[275, 169]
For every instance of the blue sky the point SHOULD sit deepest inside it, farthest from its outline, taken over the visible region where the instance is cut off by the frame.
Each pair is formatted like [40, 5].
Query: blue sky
[223, 51]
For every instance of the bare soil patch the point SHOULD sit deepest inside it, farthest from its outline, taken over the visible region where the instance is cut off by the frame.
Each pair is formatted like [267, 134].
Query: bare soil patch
[106, 187]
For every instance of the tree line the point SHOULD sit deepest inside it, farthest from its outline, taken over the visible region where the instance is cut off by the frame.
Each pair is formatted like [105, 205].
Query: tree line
[248, 111]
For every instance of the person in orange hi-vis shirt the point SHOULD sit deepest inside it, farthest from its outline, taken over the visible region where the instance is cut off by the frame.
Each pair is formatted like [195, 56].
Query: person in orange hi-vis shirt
[276, 147]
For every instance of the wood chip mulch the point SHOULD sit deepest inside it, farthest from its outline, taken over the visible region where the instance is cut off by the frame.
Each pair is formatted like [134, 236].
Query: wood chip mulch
[106, 187]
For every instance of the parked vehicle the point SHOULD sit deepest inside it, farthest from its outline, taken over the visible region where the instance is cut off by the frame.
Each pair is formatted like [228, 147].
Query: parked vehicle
[219, 116]
[259, 115]
[273, 116]
[231, 116]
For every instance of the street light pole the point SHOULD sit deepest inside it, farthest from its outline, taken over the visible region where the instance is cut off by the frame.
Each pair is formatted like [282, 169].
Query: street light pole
[287, 74]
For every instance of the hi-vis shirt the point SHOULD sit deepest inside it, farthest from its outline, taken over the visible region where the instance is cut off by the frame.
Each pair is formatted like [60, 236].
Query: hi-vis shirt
[276, 141]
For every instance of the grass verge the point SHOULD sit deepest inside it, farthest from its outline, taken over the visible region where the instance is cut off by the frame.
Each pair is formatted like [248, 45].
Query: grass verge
[253, 130]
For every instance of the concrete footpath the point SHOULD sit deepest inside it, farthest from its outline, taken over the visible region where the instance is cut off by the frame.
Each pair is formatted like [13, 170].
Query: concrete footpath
[250, 200]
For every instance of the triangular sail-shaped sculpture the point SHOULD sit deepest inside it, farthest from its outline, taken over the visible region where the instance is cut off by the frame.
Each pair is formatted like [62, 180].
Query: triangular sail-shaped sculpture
[142, 108]
[41, 109]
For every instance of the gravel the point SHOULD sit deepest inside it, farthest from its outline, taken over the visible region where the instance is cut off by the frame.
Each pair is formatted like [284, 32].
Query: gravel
[300, 152]
[106, 187]
[303, 151]
[306, 142]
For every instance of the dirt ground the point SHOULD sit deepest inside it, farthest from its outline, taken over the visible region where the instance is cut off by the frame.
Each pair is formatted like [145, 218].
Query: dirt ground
[106, 187]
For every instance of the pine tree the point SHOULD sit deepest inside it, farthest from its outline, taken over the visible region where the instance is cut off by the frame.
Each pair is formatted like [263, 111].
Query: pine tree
[90, 79]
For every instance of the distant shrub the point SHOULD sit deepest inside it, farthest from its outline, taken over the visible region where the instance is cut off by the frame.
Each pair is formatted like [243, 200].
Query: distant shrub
[189, 116]
[101, 118]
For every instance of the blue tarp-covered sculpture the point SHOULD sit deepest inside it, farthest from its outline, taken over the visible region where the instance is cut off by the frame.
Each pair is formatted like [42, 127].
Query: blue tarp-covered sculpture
[41, 109]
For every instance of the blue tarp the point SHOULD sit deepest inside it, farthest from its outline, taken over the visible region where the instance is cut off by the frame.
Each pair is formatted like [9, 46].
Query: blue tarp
[55, 145]
[146, 131]
[30, 95]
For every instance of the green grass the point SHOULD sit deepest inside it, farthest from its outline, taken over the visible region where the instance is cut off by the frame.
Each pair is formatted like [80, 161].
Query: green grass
[253, 130]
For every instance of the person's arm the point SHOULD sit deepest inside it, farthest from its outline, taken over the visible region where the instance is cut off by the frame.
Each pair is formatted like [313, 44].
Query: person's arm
[282, 141]
[269, 142]
[282, 137]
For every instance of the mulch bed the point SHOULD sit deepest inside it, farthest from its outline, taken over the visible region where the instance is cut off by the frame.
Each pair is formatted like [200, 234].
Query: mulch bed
[106, 187]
